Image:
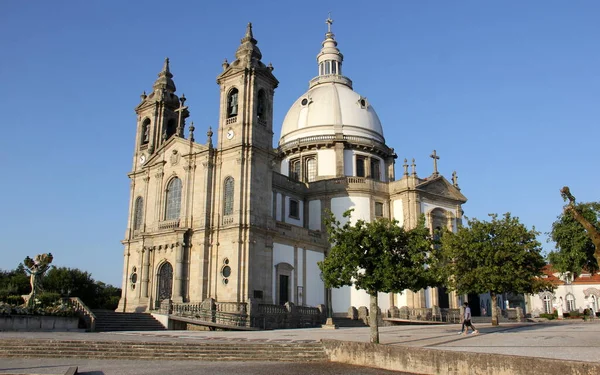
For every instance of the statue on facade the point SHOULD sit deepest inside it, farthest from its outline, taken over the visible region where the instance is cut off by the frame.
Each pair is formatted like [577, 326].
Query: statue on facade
[36, 268]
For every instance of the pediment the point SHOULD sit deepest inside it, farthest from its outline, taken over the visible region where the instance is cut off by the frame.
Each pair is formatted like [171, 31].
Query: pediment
[441, 187]
[174, 149]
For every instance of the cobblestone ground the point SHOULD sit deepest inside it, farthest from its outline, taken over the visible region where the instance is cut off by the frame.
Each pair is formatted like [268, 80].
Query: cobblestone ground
[111, 367]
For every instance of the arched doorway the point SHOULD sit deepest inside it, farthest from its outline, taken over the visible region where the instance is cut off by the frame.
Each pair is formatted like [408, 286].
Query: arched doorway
[165, 281]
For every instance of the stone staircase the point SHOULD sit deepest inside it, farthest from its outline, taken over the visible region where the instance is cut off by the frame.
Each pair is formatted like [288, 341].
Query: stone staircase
[123, 350]
[107, 320]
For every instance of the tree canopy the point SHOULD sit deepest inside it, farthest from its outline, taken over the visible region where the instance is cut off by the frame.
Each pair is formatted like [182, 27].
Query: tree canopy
[576, 233]
[574, 247]
[496, 256]
[377, 256]
[60, 282]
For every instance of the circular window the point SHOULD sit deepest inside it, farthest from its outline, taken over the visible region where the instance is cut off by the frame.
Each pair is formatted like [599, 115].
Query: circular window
[226, 261]
[226, 271]
[133, 278]
[225, 281]
[134, 270]
[304, 101]
[363, 102]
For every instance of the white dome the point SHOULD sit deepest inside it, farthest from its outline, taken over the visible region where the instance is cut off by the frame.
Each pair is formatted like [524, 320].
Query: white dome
[328, 108]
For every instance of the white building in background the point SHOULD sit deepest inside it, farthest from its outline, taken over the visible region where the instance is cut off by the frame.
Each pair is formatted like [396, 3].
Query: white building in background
[571, 294]
[236, 219]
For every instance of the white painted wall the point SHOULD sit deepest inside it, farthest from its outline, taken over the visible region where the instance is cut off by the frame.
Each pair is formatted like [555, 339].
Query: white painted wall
[291, 220]
[314, 214]
[361, 206]
[326, 162]
[348, 163]
[299, 269]
[314, 289]
[285, 167]
[398, 211]
[279, 199]
[283, 254]
[341, 300]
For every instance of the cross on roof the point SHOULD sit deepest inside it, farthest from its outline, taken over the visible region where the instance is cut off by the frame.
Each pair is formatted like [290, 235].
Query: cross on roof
[329, 22]
[435, 158]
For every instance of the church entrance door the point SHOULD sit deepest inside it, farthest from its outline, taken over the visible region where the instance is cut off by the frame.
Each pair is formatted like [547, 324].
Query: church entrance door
[165, 281]
[283, 289]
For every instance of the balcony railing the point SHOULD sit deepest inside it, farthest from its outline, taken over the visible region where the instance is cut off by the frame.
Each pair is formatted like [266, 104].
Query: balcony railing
[168, 224]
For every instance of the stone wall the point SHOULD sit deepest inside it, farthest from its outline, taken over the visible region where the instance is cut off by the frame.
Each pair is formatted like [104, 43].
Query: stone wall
[440, 362]
[38, 323]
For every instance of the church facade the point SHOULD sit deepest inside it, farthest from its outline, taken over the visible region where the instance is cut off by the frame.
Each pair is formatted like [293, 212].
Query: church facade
[233, 218]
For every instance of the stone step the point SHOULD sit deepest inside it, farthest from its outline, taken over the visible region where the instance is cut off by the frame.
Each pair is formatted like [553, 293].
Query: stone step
[304, 352]
[107, 320]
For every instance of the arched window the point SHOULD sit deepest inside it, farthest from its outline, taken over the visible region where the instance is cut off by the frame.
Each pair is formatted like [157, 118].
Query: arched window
[570, 302]
[228, 197]
[145, 135]
[173, 207]
[261, 106]
[375, 169]
[138, 213]
[171, 128]
[311, 169]
[232, 103]
[547, 301]
[295, 169]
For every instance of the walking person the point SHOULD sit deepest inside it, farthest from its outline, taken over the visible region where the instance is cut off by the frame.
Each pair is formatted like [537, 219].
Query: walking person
[467, 321]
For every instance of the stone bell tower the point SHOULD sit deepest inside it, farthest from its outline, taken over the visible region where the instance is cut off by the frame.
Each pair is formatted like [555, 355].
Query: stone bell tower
[161, 115]
[243, 173]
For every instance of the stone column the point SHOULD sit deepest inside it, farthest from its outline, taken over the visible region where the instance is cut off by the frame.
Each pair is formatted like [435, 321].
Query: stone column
[178, 275]
[339, 158]
[145, 272]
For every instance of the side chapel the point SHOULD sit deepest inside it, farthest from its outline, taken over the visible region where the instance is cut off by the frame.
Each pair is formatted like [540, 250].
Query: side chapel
[233, 218]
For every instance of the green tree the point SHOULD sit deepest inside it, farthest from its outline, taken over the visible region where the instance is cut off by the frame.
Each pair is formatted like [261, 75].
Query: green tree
[71, 282]
[377, 256]
[574, 247]
[577, 236]
[495, 257]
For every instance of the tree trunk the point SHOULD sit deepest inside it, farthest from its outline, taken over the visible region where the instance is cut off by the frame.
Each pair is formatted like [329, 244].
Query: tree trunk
[374, 319]
[494, 309]
[589, 228]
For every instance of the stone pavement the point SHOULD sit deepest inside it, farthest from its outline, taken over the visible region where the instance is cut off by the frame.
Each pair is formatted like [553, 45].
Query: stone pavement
[568, 340]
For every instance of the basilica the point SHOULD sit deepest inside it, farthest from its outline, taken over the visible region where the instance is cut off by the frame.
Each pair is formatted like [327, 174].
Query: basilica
[227, 216]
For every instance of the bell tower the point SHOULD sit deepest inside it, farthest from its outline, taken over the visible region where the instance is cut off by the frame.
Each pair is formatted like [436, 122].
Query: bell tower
[243, 173]
[161, 115]
[247, 89]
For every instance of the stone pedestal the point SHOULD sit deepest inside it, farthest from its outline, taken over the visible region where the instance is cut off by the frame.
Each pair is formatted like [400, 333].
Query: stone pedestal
[329, 324]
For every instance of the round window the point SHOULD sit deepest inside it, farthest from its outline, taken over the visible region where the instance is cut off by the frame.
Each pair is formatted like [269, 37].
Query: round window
[363, 102]
[133, 278]
[226, 271]
[304, 101]
[226, 261]
[225, 281]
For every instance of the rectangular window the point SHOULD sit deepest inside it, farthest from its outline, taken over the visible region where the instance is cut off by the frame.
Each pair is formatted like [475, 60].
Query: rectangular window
[258, 294]
[360, 166]
[378, 209]
[294, 209]
[334, 67]
[375, 169]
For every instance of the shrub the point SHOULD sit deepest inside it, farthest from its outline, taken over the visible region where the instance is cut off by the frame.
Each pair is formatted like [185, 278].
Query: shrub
[548, 316]
[47, 299]
[14, 300]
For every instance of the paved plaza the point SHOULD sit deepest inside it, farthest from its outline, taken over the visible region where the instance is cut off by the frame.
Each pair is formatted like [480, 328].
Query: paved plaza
[567, 340]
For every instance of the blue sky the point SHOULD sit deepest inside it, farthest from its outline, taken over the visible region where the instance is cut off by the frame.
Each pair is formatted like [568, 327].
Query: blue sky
[507, 93]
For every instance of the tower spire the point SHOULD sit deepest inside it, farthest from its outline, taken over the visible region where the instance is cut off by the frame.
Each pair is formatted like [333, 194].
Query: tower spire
[165, 79]
[330, 60]
[248, 52]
